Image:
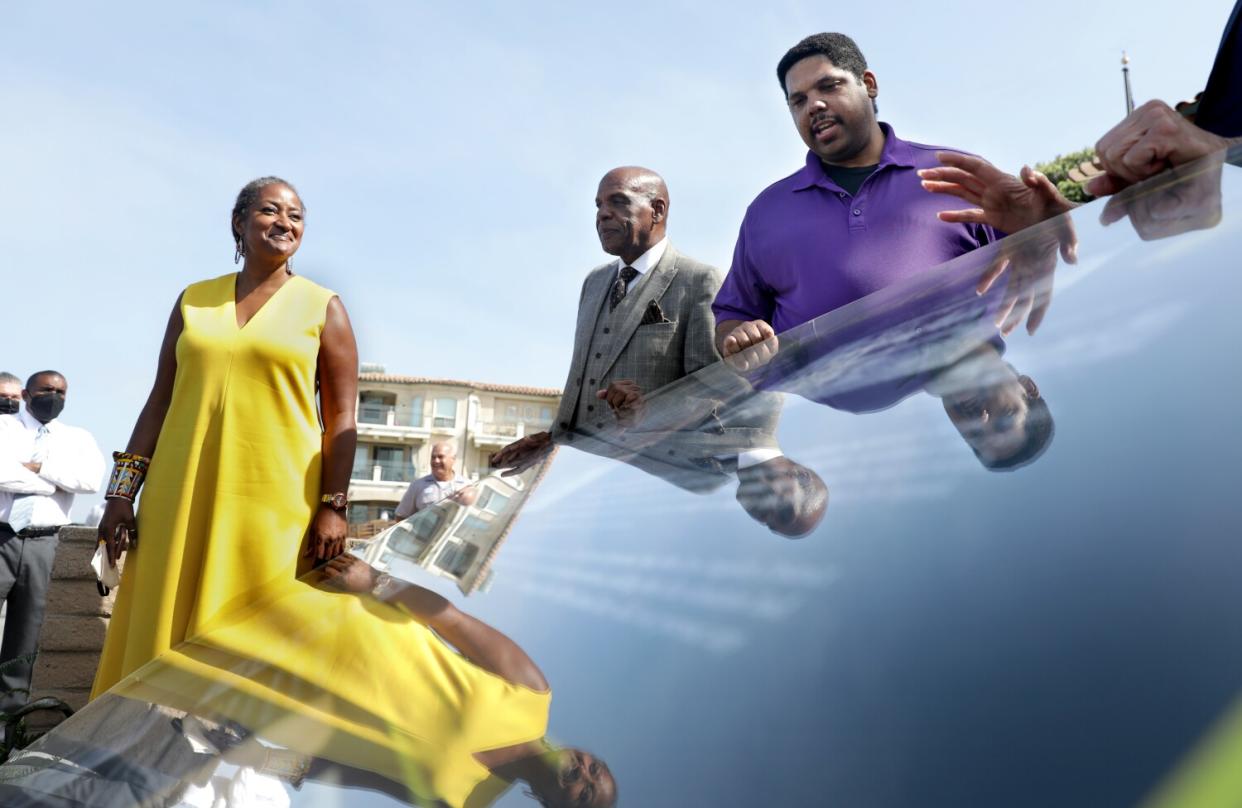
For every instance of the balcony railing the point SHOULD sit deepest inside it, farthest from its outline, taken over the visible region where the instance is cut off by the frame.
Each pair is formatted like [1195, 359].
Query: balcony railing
[376, 413]
[395, 472]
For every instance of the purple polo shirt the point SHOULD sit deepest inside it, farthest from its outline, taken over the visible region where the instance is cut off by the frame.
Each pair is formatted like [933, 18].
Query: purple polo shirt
[807, 247]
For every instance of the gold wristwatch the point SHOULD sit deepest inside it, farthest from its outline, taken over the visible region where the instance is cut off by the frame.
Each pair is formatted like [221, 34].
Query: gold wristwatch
[337, 501]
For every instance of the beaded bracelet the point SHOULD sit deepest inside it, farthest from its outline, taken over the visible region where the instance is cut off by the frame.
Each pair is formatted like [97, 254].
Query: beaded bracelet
[128, 472]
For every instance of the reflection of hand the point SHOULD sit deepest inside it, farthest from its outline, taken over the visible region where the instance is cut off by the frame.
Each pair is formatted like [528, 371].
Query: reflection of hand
[350, 573]
[118, 528]
[522, 454]
[466, 496]
[1190, 203]
[33, 467]
[1002, 201]
[625, 398]
[753, 357]
[754, 332]
[1149, 140]
[1029, 263]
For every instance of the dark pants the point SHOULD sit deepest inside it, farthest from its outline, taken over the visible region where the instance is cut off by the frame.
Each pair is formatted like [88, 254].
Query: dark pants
[25, 572]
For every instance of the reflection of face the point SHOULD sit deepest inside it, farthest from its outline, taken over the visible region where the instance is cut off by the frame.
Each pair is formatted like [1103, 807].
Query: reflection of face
[442, 461]
[991, 419]
[832, 108]
[272, 226]
[625, 218]
[777, 493]
[585, 780]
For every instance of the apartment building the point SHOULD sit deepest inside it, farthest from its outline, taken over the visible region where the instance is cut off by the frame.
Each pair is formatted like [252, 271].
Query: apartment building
[401, 417]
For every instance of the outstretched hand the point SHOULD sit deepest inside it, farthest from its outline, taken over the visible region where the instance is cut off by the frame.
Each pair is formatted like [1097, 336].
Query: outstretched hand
[1001, 201]
[523, 453]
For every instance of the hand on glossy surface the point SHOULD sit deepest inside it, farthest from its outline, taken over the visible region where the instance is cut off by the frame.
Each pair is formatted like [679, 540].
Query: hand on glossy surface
[522, 453]
[1149, 140]
[749, 334]
[327, 534]
[350, 574]
[1028, 265]
[1188, 203]
[625, 398]
[33, 467]
[1001, 201]
[118, 528]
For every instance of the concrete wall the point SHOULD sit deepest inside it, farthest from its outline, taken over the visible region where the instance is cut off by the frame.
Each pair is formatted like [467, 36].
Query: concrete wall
[74, 626]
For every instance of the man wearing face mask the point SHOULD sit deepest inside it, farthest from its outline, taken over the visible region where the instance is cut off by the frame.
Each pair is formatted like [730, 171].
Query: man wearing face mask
[43, 464]
[10, 394]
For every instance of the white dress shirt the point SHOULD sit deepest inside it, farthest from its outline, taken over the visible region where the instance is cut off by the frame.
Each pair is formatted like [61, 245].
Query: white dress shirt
[72, 464]
[646, 261]
[427, 491]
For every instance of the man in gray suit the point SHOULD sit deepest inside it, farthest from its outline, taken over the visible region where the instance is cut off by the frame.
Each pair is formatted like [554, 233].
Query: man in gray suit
[644, 319]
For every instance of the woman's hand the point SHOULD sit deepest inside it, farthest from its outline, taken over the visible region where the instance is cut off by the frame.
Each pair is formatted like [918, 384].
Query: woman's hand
[350, 573]
[118, 529]
[327, 535]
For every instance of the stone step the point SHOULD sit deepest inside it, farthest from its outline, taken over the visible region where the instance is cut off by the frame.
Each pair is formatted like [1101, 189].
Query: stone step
[65, 669]
[73, 632]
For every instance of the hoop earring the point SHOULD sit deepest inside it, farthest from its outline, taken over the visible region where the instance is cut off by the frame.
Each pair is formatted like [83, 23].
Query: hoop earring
[238, 252]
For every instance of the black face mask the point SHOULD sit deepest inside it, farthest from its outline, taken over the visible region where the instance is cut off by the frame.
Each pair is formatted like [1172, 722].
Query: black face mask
[46, 406]
[9, 406]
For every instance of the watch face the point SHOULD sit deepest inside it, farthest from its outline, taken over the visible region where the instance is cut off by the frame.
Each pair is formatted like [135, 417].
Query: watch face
[337, 501]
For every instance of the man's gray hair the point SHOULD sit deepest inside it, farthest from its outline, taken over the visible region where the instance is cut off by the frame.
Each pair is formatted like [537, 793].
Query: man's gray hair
[9, 378]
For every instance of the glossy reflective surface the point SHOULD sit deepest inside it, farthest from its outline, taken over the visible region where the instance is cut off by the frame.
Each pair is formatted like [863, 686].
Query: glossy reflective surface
[1060, 633]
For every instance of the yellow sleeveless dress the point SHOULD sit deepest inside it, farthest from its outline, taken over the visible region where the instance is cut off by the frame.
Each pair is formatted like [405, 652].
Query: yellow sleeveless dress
[235, 477]
[210, 617]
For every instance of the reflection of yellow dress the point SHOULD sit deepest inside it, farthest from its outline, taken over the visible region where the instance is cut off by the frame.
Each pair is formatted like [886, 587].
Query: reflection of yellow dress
[235, 476]
[350, 680]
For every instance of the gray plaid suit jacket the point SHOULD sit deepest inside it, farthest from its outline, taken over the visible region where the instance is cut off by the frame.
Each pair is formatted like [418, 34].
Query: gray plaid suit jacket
[652, 354]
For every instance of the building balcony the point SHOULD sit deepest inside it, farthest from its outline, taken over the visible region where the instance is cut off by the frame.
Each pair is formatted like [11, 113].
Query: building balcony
[383, 473]
[391, 423]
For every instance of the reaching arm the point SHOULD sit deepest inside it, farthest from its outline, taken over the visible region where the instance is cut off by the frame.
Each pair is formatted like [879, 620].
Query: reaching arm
[477, 641]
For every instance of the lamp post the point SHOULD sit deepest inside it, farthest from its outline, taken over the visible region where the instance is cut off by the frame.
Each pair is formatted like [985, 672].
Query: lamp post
[1125, 75]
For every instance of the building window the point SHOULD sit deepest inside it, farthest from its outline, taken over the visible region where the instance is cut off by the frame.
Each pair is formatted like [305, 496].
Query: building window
[413, 415]
[492, 501]
[456, 557]
[394, 467]
[445, 413]
[362, 465]
[545, 415]
[373, 408]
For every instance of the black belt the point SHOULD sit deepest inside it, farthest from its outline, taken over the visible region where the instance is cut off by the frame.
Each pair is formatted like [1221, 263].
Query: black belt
[32, 532]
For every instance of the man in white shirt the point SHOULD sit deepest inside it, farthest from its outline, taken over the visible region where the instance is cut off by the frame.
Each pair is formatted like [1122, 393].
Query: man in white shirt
[442, 483]
[10, 394]
[43, 464]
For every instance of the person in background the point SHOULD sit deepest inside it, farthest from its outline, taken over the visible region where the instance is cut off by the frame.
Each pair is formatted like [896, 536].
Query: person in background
[442, 483]
[44, 463]
[10, 394]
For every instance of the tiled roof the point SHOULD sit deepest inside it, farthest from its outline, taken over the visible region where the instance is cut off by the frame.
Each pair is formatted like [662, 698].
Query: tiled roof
[488, 387]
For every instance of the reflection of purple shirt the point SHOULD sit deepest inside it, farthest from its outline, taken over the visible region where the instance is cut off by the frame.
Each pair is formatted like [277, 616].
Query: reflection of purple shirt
[807, 247]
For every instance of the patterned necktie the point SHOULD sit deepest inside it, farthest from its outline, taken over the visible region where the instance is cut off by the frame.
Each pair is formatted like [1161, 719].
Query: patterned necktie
[40, 445]
[626, 275]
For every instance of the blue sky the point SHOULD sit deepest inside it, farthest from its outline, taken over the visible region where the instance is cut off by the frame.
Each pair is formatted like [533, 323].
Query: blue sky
[448, 156]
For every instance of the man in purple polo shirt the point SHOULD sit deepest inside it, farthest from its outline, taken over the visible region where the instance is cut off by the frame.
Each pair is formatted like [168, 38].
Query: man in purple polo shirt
[853, 220]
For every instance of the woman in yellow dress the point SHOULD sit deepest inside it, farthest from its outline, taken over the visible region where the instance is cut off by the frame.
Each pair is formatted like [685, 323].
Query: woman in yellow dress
[245, 490]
